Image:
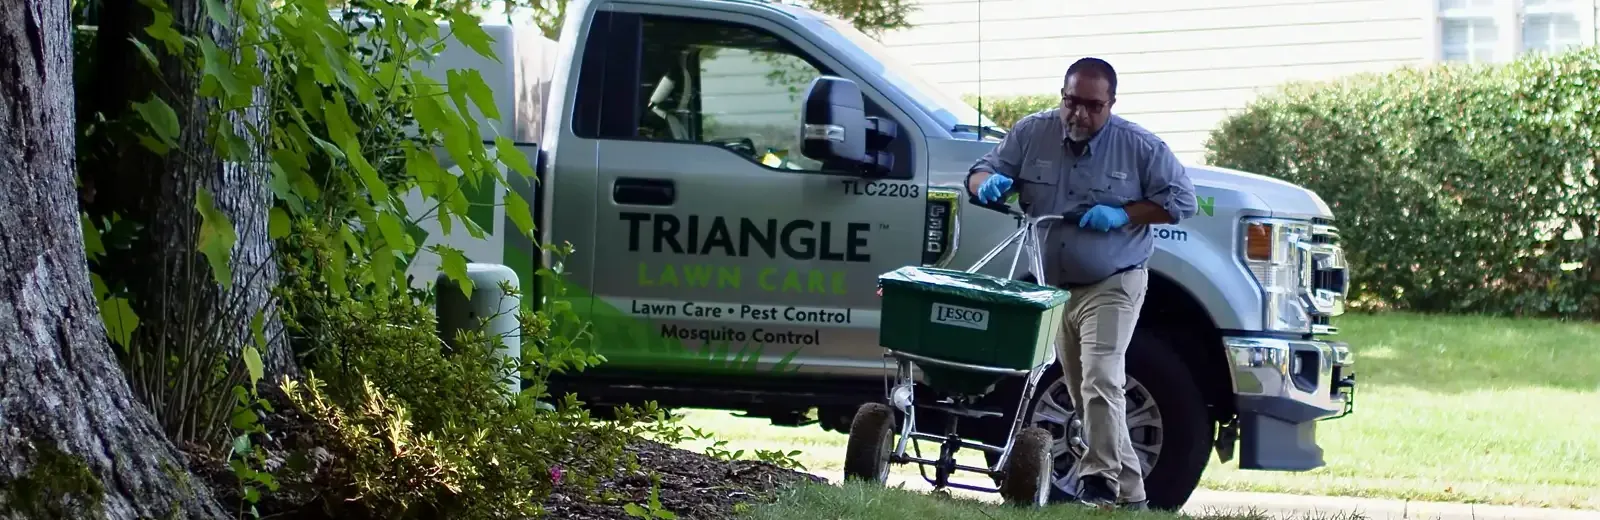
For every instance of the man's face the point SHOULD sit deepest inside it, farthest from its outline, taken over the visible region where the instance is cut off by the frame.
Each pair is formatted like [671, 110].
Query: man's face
[1085, 105]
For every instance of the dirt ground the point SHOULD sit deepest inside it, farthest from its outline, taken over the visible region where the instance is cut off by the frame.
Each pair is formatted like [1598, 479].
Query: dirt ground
[692, 485]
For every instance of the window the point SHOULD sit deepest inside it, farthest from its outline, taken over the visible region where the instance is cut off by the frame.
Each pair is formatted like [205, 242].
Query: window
[1482, 31]
[730, 86]
[1551, 25]
[714, 83]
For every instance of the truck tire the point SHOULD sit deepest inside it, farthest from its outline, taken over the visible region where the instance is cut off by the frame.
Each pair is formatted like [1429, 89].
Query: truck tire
[1183, 429]
[866, 456]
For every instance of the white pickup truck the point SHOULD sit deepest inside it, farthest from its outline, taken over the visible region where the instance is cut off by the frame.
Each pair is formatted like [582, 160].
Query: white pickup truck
[722, 268]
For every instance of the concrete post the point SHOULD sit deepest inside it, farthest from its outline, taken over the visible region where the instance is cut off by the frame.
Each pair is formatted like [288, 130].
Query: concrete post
[456, 311]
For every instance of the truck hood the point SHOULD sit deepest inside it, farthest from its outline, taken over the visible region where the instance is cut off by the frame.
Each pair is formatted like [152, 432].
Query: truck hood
[1277, 197]
[1283, 198]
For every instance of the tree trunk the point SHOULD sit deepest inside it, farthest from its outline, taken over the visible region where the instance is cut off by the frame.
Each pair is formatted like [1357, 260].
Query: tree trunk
[64, 406]
[181, 310]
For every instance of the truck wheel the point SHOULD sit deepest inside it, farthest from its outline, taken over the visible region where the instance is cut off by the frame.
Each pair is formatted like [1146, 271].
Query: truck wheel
[1167, 422]
[1028, 470]
[866, 456]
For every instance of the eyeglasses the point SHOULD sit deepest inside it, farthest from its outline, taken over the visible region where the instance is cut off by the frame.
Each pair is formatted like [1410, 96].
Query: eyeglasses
[1092, 106]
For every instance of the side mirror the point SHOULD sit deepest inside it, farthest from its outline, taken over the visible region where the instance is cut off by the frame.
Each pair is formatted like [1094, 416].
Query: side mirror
[835, 129]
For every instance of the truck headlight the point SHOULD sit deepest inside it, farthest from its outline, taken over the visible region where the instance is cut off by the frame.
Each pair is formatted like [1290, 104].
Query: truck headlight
[1275, 252]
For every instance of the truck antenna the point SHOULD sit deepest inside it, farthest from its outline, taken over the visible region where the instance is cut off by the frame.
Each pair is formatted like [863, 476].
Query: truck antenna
[983, 129]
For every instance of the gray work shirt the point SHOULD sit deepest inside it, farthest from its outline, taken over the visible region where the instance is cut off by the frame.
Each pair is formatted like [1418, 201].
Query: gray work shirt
[1122, 164]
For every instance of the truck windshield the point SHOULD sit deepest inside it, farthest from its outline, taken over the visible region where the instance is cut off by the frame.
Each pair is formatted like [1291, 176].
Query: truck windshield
[950, 110]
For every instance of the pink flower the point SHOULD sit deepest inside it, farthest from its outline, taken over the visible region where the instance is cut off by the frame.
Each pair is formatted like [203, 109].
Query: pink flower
[555, 475]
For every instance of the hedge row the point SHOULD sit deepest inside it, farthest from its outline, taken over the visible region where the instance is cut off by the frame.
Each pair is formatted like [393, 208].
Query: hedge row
[1006, 110]
[1457, 188]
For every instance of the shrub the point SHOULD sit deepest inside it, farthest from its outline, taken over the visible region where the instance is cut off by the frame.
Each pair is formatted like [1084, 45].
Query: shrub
[1007, 110]
[1457, 188]
[421, 428]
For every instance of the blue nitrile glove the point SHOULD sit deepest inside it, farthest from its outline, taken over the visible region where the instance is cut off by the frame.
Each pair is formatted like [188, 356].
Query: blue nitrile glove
[993, 187]
[1103, 218]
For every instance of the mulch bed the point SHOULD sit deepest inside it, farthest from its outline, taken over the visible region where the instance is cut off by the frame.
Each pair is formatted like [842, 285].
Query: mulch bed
[692, 485]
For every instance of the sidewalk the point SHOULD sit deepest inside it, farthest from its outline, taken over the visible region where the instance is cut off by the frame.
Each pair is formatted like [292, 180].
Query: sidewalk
[1289, 506]
[1296, 507]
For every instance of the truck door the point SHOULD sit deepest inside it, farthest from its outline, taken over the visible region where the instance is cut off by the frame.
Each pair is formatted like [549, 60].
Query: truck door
[719, 248]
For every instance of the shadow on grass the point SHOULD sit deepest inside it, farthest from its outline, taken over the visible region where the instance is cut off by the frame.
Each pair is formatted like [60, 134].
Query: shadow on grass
[1453, 353]
[854, 500]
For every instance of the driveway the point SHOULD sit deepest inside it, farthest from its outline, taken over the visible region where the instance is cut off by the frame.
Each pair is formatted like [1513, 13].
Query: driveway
[1292, 506]
[1289, 507]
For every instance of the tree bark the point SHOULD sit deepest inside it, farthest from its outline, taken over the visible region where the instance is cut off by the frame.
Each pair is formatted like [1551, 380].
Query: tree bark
[62, 394]
[180, 308]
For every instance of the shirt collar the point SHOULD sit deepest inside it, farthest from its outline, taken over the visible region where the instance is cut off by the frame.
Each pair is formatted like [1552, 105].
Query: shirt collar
[1094, 140]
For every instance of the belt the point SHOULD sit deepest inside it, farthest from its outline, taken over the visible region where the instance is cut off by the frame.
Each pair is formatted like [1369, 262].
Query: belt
[1070, 286]
[1028, 277]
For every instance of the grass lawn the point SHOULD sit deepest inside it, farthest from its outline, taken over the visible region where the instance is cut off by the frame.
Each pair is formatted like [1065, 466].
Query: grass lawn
[853, 501]
[1450, 408]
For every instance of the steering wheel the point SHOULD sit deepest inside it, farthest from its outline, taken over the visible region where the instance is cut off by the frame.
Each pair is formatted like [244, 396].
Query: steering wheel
[741, 145]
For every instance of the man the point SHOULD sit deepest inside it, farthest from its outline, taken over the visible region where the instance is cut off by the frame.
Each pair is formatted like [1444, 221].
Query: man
[1079, 159]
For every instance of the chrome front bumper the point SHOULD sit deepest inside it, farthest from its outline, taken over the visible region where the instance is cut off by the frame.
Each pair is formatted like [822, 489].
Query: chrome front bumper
[1283, 387]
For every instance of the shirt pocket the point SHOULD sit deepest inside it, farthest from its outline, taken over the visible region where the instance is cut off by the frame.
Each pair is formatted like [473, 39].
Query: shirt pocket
[1037, 188]
[1116, 188]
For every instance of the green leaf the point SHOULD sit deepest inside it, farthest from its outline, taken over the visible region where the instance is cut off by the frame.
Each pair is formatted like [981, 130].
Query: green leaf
[247, 71]
[513, 158]
[218, 72]
[149, 57]
[161, 118]
[432, 116]
[242, 419]
[517, 210]
[467, 30]
[457, 89]
[338, 264]
[153, 144]
[161, 28]
[383, 272]
[241, 445]
[309, 92]
[231, 144]
[217, 237]
[92, 245]
[119, 319]
[454, 266]
[369, 175]
[252, 363]
[424, 168]
[394, 236]
[277, 223]
[481, 94]
[218, 12]
[327, 147]
[100, 289]
[258, 331]
[341, 128]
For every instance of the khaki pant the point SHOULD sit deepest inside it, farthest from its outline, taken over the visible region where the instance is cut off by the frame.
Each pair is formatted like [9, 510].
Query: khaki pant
[1093, 351]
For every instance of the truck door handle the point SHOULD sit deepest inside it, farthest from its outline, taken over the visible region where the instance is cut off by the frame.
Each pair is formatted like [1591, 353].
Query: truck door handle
[644, 192]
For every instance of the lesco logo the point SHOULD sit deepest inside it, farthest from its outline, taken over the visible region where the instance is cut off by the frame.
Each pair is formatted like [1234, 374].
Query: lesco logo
[960, 316]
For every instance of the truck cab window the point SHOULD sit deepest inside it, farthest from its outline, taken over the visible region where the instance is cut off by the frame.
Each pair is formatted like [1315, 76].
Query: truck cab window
[725, 85]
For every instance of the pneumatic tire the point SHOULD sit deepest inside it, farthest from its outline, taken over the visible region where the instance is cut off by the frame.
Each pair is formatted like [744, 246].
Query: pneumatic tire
[866, 456]
[1185, 431]
[1027, 471]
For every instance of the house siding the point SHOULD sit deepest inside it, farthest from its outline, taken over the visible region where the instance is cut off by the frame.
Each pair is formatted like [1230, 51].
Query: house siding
[1182, 65]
